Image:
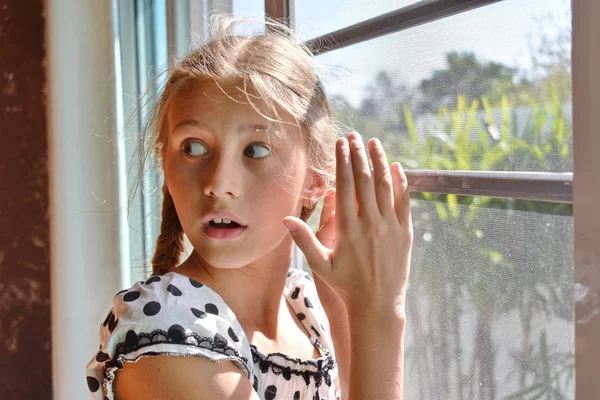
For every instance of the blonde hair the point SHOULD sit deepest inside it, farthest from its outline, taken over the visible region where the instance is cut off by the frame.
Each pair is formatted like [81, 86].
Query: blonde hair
[280, 72]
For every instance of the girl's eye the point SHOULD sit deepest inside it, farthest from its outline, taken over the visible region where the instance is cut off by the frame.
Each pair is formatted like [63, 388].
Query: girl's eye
[257, 151]
[194, 149]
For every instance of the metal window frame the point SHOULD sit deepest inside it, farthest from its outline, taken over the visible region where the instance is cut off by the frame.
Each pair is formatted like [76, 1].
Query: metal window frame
[280, 9]
[394, 21]
[537, 186]
[178, 27]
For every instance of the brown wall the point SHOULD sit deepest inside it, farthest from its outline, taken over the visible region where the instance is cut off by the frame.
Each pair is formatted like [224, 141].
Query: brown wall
[25, 364]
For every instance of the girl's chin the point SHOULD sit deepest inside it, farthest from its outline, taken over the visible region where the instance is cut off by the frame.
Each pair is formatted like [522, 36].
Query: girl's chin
[221, 259]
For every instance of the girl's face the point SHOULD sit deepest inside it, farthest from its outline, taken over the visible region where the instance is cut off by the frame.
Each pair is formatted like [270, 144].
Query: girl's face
[217, 158]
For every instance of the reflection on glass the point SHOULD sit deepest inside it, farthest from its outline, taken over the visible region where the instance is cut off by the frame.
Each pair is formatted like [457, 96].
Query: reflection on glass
[488, 89]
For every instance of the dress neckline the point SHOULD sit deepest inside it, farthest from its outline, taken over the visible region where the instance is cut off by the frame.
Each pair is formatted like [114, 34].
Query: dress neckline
[325, 354]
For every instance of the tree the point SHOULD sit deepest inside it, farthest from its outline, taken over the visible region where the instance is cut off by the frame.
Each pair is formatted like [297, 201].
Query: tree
[469, 77]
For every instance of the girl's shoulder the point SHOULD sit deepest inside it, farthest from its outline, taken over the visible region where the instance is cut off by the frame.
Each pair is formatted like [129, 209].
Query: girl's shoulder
[167, 315]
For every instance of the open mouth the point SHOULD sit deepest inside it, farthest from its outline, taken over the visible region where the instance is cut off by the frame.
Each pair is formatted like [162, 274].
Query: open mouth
[224, 225]
[224, 229]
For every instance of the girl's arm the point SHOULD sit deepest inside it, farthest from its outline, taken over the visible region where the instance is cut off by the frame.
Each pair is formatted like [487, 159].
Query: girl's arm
[177, 377]
[377, 347]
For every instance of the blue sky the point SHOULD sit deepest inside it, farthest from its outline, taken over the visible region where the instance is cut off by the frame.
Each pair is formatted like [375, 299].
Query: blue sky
[499, 32]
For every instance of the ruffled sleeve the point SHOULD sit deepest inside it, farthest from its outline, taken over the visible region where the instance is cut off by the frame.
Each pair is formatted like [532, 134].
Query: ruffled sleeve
[166, 315]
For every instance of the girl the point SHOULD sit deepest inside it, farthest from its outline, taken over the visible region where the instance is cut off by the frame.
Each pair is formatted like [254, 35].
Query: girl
[247, 145]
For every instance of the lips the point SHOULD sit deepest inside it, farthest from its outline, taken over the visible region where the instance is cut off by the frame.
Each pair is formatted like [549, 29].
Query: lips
[223, 233]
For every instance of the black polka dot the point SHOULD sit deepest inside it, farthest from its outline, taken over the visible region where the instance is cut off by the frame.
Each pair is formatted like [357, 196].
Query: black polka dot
[174, 290]
[102, 356]
[315, 331]
[301, 316]
[152, 308]
[287, 373]
[307, 276]
[176, 333]
[232, 335]
[211, 309]
[307, 303]
[220, 340]
[93, 384]
[316, 396]
[112, 323]
[121, 291]
[153, 279]
[255, 386]
[297, 395]
[111, 320]
[131, 338]
[322, 327]
[195, 283]
[198, 313]
[289, 274]
[306, 376]
[295, 293]
[131, 296]
[328, 380]
[263, 365]
[107, 318]
[271, 392]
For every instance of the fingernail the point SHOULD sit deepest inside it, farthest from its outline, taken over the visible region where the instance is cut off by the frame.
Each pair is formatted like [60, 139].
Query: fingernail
[290, 226]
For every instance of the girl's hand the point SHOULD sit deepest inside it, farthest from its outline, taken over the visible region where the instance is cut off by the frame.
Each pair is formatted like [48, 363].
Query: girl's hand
[368, 263]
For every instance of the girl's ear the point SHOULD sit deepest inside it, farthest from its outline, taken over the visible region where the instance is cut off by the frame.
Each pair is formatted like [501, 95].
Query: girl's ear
[317, 187]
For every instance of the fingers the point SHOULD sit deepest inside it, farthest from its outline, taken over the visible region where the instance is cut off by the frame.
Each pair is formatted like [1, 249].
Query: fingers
[326, 233]
[382, 177]
[345, 203]
[316, 254]
[328, 207]
[401, 195]
[363, 179]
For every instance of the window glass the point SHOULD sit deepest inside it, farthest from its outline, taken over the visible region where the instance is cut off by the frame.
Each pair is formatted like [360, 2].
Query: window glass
[254, 9]
[488, 89]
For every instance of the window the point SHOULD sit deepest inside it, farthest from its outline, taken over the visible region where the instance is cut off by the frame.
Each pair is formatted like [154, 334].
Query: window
[475, 98]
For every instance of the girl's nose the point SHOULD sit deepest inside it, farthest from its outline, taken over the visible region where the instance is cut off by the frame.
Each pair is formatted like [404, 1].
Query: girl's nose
[223, 179]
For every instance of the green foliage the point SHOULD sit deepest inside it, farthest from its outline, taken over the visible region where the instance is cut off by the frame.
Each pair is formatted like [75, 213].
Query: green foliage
[470, 77]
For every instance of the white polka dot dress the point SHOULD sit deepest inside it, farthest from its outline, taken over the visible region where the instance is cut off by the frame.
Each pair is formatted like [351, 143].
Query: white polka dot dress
[174, 315]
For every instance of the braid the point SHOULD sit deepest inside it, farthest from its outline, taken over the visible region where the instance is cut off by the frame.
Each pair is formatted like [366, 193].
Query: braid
[169, 244]
[307, 212]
